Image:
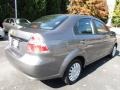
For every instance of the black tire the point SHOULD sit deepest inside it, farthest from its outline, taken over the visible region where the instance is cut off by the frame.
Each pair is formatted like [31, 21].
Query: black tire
[113, 53]
[66, 77]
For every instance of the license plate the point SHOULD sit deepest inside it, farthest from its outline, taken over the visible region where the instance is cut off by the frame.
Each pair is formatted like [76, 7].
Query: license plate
[15, 43]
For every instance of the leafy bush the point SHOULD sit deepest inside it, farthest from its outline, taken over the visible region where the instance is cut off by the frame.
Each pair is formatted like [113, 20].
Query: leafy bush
[97, 8]
[116, 16]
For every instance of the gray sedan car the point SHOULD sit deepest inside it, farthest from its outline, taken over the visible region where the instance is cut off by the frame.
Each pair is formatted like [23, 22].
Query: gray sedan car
[60, 46]
[14, 23]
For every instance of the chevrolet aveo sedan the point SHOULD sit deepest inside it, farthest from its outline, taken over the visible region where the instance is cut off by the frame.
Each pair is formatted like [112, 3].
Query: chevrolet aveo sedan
[60, 46]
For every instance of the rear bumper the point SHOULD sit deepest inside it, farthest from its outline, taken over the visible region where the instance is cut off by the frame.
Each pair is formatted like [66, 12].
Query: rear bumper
[34, 66]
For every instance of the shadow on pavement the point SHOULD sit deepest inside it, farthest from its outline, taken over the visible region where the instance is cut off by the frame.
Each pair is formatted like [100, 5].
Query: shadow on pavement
[54, 83]
[58, 83]
[92, 67]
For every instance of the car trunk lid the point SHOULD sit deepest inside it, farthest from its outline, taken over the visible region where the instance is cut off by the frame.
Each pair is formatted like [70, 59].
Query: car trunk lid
[19, 39]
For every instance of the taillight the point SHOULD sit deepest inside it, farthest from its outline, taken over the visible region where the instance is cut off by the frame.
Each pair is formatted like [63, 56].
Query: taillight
[37, 45]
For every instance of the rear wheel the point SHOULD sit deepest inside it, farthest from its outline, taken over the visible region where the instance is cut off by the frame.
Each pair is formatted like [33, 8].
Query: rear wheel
[114, 51]
[73, 72]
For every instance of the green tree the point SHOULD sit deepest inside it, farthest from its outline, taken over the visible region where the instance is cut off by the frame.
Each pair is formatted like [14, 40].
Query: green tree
[32, 9]
[53, 6]
[56, 6]
[116, 16]
[63, 5]
[6, 9]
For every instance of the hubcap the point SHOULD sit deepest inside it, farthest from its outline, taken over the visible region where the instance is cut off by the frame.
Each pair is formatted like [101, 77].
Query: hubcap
[74, 71]
[114, 51]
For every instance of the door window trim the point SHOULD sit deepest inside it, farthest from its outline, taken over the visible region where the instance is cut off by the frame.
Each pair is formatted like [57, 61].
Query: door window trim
[91, 24]
[95, 27]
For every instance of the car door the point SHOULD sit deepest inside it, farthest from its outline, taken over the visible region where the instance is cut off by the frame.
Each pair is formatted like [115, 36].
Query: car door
[88, 40]
[107, 39]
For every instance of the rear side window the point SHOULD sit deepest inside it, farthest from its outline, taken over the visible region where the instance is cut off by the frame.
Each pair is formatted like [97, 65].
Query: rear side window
[100, 27]
[83, 26]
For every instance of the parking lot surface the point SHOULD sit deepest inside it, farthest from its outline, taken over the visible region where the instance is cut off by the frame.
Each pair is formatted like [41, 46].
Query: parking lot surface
[101, 75]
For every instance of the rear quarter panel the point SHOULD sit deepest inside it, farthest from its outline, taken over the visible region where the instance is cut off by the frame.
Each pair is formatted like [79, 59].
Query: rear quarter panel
[57, 42]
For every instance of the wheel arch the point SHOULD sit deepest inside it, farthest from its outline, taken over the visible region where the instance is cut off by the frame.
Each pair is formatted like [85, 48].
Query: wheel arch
[82, 59]
[65, 64]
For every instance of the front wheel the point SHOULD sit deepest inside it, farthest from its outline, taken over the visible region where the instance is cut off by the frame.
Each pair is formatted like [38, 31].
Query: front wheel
[73, 72]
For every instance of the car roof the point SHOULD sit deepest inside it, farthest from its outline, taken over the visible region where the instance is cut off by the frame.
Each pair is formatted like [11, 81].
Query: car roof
[85, 16]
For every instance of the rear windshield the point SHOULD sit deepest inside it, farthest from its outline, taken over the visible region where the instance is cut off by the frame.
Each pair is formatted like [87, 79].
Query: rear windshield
[48, 22]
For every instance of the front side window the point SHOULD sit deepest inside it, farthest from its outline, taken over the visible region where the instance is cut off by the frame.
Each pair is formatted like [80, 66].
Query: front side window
[83, 26]
[100, 27]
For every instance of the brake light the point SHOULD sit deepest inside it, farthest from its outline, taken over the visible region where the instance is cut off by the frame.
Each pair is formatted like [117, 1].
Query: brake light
[37, 45]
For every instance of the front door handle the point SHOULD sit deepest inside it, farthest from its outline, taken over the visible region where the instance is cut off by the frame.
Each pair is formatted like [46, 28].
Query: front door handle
[82, 41]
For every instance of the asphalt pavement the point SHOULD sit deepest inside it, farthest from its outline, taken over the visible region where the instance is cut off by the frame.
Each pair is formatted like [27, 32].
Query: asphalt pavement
[101, 75]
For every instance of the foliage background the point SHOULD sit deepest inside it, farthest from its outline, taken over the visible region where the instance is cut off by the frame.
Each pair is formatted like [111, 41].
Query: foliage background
[31, 9]
[97, 8]
[116, 16]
